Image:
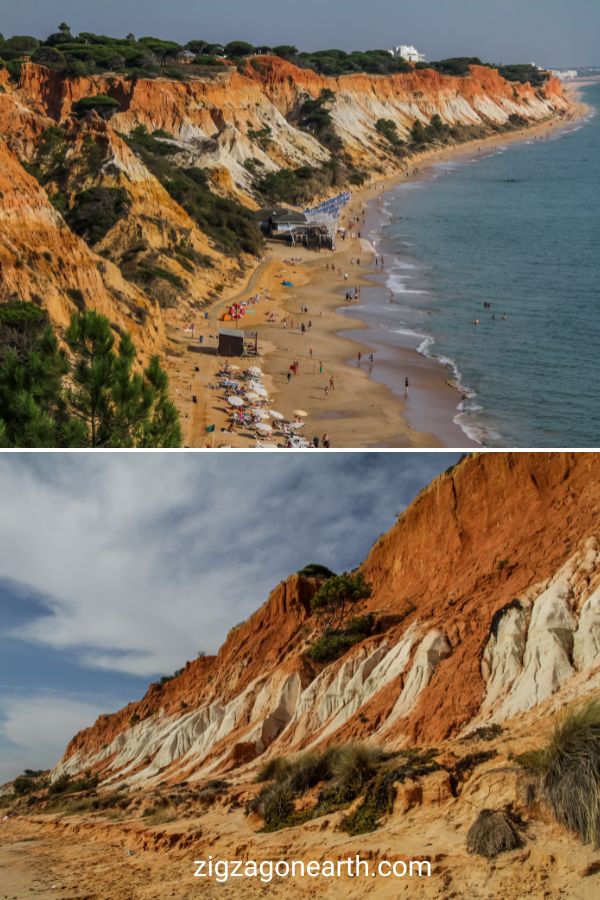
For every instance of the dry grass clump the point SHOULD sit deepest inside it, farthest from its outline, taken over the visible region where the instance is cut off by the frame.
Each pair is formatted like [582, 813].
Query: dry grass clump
[354, 765]
[493, 831]
[571, 764]
[568, 769]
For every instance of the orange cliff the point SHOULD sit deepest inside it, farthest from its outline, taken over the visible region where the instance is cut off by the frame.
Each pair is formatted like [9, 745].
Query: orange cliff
[41, 260]
[215, 124]
[236, 103]
[484, 595]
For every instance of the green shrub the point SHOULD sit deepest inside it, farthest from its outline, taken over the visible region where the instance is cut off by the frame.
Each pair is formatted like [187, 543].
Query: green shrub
[102, 104]
[96, 211]
[275, 804]
[388, 129]
[315, 117]
[330, 647]
[338, 596]
[378, 802]
[27, 783]
[230, 225]
[315, 570]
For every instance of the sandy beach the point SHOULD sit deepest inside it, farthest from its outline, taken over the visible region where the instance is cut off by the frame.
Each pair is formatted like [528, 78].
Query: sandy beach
[365, 405]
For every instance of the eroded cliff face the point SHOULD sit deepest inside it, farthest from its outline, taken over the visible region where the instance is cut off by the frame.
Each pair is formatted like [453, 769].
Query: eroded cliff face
[216, 124]
[43, 261]
[215, 119]
[486, 597]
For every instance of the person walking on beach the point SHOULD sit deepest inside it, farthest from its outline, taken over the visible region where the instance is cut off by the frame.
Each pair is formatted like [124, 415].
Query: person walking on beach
[326, 390]
[289, 377]
[406, 384]
[320, 367]
[310, 352]
[358, 357]
[332, 383]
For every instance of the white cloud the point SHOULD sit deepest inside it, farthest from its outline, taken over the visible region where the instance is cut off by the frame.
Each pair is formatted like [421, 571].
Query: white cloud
[39, 727]
[144, 560]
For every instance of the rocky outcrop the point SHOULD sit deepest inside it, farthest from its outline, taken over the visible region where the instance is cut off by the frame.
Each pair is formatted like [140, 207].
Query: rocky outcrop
[486, 601]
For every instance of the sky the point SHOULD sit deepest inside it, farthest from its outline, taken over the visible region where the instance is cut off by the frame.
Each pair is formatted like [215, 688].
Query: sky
[549, 32]
[118, 568]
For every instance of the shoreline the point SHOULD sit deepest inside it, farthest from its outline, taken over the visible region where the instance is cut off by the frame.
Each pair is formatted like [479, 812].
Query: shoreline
[365, 408]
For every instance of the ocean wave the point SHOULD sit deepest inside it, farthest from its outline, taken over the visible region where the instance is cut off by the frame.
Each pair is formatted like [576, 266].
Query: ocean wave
[467, 409]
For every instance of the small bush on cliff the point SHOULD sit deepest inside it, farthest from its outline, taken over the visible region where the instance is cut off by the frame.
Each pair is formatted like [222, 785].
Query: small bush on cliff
[331, 645]
[96, 210]
[388, 129]
[315, 117]
[338, 596]
[333, 602]
[345, 771]
[102, 104]
[28, 782]
[315, 570]
[569, 767]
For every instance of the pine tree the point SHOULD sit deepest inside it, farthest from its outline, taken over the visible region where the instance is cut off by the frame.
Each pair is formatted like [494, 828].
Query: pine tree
[33, 411]
[121, 407]
[99, 399]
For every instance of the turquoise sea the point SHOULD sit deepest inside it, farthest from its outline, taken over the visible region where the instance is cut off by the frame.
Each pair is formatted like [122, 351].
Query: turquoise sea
[516, 227]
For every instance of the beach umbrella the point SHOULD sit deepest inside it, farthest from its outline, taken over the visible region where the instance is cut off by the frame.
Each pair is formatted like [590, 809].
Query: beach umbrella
[260, 390]
[258, 413]
[264, 428]
[235, 401]
[277, 415]
[255, 371]
[252, 396]
[234, 368]
[300, 413]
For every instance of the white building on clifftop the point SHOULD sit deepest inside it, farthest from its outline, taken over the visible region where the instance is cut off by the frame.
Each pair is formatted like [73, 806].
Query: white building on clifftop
[408, 53]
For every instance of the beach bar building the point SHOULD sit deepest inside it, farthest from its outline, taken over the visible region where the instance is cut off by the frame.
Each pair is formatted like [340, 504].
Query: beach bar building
[231, 342]
[299, 228]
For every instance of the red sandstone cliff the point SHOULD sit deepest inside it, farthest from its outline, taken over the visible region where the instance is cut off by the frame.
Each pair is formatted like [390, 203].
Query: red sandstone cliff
[485, 593]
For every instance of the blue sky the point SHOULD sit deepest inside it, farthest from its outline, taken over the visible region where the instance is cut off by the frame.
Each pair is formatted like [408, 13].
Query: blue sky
[551, 32]
[117, 568]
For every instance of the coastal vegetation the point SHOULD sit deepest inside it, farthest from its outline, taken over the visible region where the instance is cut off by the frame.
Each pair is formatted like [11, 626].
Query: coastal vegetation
[345, 773]
[335, 601]
[149, 57]
[230, 225]
[87, 394]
